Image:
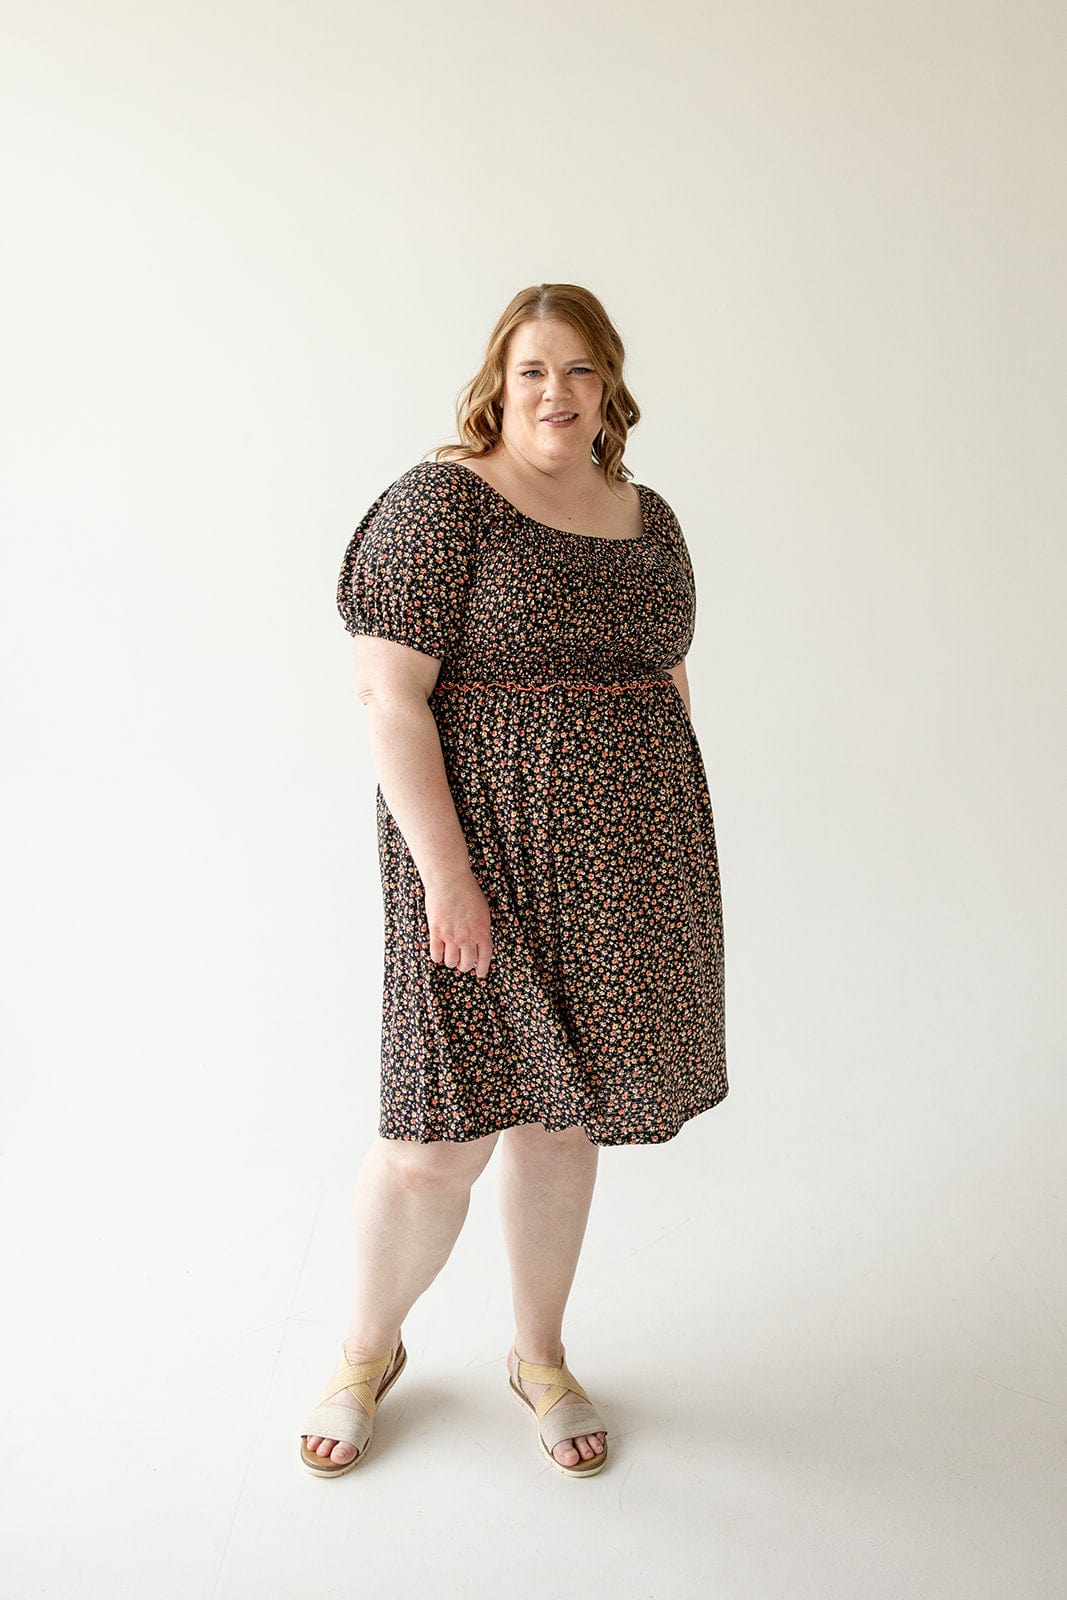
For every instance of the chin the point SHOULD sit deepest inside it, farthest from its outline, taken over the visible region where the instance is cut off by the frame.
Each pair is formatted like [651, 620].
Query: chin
[567, 440]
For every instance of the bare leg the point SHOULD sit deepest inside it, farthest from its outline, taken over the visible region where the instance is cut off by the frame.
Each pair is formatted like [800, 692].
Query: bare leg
[546, 1188]
[410, 1203]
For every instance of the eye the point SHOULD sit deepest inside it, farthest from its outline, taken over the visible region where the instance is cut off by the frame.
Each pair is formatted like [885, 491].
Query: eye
[532, 371]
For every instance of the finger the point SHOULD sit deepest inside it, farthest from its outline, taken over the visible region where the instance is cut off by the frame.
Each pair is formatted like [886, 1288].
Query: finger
[485, 952]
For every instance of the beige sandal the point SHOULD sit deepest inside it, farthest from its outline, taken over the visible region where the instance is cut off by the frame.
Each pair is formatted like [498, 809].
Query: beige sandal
[369, 1382]
[557, 1422]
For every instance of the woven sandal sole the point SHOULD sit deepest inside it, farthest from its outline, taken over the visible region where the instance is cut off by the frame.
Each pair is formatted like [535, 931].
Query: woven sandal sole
[323, 1467]
[588, 1469]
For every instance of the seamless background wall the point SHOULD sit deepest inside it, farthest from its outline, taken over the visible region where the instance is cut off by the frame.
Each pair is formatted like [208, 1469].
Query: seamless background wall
[258, 252]
[253, 254]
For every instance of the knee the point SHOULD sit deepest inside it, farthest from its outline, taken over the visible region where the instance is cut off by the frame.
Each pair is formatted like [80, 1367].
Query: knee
[437, 1166]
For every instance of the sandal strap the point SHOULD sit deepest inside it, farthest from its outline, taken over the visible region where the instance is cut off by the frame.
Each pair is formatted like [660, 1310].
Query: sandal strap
[560, 1380]
[344, 1423]
[567, 1422]
[362, 1379]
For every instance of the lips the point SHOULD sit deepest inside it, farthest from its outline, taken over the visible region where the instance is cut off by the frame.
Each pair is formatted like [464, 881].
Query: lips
[561, 416]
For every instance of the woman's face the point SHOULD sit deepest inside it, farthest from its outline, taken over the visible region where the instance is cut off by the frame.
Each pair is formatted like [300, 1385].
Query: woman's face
[547, 371]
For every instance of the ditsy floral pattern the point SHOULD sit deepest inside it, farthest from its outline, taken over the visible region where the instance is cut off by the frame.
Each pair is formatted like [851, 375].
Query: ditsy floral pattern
[582, 795]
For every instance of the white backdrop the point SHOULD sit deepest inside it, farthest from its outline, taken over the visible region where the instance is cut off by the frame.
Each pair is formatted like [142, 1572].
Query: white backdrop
[254, 252]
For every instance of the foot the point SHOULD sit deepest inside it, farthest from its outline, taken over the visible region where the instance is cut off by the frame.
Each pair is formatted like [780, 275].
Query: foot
[337, 1449]
[569, 1451]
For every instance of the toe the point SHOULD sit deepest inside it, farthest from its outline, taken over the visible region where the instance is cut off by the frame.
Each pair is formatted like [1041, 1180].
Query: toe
[342, 1453]
[566, 1454]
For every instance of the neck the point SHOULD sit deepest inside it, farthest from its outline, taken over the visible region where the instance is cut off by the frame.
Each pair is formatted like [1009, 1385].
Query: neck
[553, 479]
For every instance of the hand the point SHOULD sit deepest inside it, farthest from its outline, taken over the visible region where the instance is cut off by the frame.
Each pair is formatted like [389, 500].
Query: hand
[457, 921]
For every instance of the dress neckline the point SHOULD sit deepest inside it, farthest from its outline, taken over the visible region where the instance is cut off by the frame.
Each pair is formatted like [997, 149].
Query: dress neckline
[564, 533]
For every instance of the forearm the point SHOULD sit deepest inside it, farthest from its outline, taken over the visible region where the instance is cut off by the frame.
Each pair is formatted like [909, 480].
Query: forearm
[678, 673]
[683, 690]
[407, 756]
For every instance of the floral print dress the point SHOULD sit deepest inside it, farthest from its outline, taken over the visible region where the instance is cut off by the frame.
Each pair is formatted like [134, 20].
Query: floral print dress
[581, 792]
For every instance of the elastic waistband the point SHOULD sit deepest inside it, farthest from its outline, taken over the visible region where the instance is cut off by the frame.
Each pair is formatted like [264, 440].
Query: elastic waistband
[541, 688]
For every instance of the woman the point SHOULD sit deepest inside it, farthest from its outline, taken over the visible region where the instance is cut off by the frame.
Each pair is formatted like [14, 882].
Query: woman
[553, 927]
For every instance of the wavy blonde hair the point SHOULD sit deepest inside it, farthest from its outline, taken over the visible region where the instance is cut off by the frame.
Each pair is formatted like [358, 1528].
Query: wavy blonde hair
[480, 409]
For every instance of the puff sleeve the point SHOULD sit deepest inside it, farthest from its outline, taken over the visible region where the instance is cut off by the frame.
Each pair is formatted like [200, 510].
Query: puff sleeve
[406, 572]
[680, 583]
[688, 607]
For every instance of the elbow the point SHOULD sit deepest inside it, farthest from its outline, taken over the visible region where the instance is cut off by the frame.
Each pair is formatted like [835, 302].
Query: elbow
[386, 699]
[389, 674]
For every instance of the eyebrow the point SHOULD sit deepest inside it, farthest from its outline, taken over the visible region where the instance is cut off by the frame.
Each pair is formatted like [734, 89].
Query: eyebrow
[535, 361]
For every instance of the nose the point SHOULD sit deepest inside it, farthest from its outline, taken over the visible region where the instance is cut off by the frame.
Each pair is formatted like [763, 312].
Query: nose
[556, 383]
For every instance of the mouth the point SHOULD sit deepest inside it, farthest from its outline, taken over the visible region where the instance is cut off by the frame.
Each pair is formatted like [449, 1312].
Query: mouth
[561, 418]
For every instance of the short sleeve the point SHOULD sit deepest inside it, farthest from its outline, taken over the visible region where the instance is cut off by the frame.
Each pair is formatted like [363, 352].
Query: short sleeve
[406, 572]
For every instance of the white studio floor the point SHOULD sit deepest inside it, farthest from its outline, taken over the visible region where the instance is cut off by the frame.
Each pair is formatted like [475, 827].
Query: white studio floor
[834, 1366]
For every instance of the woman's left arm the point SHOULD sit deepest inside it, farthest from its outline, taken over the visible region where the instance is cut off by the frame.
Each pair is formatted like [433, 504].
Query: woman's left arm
[677, 672]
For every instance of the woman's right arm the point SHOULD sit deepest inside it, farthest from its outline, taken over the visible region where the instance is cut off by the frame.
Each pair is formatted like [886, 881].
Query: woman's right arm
[394, 683]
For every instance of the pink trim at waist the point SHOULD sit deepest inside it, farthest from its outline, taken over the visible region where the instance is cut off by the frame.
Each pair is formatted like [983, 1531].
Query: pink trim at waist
[540, 688]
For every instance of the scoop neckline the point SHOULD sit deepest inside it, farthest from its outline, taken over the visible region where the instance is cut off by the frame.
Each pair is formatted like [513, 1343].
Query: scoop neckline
[565, 533]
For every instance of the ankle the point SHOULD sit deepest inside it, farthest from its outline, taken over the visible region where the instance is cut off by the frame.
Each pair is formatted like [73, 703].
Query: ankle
[360, 1348]
[540, 1352]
